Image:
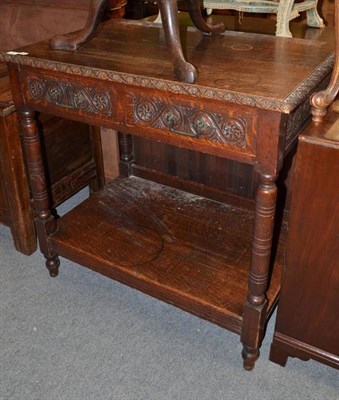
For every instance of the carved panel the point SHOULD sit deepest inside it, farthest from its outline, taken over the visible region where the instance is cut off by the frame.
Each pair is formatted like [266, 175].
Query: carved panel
[68, 95]
[286, 106]
[189, 121]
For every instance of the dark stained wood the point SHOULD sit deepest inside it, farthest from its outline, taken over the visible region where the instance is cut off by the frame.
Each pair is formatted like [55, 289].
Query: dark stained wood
[68, 156]
[69, 159]
[214, 177]
[321, 100]
[236, 110]
[44, 222]
[270, 91]
[71, 41]
[70, 4]
[185, 71]
[15, 203]
[116, 8]
[152, 237]
[307, 324]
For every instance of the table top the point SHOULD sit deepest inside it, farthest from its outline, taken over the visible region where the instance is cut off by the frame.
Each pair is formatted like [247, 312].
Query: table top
[244, 68]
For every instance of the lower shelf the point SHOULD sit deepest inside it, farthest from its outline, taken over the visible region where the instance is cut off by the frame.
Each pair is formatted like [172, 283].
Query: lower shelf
[186, 250]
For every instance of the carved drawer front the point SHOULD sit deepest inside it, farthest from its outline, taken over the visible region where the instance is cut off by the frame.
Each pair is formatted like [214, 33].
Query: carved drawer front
[64, 94]
[192, 121]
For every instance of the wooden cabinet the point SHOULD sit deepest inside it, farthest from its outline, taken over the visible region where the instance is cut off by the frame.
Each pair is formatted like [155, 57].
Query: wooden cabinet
[307, 323]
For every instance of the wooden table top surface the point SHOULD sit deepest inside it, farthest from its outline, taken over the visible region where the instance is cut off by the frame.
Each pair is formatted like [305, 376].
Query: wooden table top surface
[245, 68]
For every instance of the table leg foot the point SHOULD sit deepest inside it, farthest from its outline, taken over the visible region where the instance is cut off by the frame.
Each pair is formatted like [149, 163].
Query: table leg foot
[72, 41]
[185, 72]
[249, 356]
[255, 307]
[52, 265]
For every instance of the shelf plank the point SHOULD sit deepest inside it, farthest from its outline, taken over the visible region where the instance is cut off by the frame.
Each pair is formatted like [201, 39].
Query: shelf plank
[181, 248]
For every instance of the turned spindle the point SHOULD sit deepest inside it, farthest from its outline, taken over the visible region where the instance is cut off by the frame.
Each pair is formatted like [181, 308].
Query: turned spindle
[320, 101]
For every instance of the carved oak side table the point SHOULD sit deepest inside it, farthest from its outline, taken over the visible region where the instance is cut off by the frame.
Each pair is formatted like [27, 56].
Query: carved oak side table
[205, 257]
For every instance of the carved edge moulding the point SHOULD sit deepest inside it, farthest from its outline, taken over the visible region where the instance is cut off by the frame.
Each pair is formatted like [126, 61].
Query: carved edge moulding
[286, 106]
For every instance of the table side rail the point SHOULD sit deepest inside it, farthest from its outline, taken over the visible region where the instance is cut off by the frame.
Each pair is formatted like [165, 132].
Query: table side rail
[225, 130]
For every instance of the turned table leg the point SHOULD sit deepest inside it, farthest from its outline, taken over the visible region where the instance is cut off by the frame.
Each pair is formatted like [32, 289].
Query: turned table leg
[45, 222]
[72, 41]
[255, 308]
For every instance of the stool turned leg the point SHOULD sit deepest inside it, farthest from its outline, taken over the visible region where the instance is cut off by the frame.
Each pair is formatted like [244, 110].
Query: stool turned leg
[255, 307]
[72, 41]
[184, 71]
[45, 222]
[194, 10]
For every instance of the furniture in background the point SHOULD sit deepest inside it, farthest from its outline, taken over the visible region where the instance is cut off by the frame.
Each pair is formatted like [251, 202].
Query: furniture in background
[286, 10]
[72, 150]
[138, 9]
[327, 11]
[185, 71]
[116, 8]
[307, 324]
[140, 231]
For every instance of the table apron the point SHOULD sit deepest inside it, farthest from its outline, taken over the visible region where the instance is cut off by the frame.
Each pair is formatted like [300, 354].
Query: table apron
[208, 126]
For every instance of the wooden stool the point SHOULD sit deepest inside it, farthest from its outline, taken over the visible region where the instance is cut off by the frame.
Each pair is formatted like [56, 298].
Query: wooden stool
[184, 71]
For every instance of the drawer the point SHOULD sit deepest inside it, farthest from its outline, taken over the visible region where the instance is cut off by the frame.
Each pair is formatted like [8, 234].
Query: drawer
[200, 123]
[62, 94]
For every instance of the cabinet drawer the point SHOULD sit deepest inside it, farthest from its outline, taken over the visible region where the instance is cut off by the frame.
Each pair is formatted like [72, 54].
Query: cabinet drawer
[193, 121]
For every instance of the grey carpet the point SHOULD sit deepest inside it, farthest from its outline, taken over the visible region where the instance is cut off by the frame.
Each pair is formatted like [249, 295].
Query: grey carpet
[82, 336]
